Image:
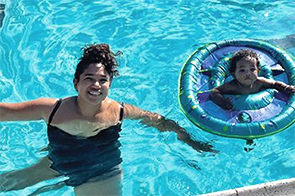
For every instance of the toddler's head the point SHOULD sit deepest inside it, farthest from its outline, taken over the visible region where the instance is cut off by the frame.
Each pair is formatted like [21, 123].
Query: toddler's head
[243, 54]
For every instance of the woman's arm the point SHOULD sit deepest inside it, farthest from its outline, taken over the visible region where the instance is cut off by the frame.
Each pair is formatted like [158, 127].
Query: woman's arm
[163, 124]
[150, 119]
[31, 110]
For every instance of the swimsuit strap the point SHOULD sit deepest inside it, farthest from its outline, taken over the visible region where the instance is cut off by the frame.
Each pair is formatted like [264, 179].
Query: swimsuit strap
[54, 111]
[121, 112]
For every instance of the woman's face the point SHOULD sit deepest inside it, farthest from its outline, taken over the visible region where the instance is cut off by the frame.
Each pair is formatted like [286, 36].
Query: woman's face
[94, 83]
[246, 71]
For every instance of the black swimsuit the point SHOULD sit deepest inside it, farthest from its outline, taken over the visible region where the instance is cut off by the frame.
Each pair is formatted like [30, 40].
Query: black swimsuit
[82, 158]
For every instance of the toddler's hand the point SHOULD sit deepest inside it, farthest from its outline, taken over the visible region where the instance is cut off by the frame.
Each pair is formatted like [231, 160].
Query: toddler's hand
[289, 89]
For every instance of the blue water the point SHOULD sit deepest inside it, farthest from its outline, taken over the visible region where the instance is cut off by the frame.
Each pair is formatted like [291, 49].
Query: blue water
[40, 44]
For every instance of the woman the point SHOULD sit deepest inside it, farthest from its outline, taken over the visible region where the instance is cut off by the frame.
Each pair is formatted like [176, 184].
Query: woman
[83, 130]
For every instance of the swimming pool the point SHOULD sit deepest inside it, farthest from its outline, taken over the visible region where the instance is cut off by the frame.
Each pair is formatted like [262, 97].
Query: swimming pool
[40, 44]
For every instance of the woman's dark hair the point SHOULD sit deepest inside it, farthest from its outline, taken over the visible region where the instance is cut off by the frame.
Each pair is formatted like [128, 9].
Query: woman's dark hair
[240, 55]
[98, 53]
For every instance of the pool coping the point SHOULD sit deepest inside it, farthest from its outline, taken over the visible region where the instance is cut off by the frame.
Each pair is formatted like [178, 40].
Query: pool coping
[284, 187]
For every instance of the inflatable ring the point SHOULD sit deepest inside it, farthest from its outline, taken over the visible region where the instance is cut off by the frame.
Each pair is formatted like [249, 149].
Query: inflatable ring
[255, 115]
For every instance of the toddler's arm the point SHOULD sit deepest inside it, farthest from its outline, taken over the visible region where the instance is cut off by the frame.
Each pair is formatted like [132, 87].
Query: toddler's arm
[278, 85]
[220, 100]
[282, 87]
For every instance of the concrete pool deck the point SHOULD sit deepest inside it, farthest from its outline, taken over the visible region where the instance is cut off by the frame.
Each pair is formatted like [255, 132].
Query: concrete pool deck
[278, 188]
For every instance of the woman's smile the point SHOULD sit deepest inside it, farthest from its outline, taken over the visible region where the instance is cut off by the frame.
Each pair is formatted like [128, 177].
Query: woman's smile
[95, 93]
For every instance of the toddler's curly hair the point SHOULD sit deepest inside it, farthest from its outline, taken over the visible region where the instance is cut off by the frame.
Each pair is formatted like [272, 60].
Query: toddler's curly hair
[240, 55]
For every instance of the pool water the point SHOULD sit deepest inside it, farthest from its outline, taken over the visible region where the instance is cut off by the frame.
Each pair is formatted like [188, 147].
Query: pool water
[40, 45]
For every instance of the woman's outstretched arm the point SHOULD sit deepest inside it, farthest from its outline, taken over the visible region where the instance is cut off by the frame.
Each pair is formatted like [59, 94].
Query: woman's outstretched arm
[30, 110]
[163, 124]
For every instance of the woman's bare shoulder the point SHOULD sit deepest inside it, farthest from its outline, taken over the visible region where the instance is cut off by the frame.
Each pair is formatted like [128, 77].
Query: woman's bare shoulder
[44, 101]
[110, 103]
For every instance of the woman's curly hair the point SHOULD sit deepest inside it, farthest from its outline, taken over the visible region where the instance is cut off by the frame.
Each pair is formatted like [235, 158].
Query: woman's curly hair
[98, 53]
[240, 55]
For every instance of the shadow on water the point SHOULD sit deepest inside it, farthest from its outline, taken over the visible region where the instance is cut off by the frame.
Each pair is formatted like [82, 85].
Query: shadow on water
[285, 43]
[2, 13]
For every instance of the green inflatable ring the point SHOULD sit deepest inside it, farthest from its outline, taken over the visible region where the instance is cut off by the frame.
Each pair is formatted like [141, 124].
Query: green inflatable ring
[256, 115]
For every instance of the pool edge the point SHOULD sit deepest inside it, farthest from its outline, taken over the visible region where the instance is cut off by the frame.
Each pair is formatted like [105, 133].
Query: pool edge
[281, 187]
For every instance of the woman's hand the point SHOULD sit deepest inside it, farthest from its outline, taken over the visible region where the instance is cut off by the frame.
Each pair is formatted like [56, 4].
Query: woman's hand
[164, 124]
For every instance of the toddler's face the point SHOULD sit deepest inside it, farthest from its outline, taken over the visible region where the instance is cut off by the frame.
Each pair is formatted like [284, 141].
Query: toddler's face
[246, 71]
